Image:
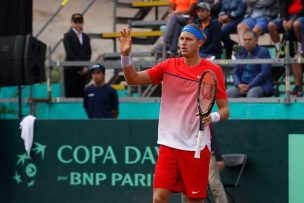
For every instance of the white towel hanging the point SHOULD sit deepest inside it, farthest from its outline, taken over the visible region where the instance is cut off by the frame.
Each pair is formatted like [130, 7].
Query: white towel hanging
[27, 132]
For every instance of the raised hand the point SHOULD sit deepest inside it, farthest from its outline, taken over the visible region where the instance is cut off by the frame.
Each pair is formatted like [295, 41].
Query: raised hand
[125, 41]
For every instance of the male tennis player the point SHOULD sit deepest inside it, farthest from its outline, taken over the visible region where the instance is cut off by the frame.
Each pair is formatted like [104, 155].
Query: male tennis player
[176, 169]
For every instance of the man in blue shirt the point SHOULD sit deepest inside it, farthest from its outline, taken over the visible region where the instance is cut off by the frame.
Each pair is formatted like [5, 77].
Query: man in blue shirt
[212, 47]
[252, 80]
[100, 99]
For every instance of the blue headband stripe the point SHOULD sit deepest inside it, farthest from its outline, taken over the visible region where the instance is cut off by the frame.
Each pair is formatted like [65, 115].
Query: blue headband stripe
[198, 34]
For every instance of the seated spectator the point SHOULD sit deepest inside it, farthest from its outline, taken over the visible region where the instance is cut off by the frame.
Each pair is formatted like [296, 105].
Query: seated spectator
[215, 6]
[180, 13]
[212, 47]
[258, 14]
[100, 99]
[252, 80]
[232, 13]
[291, 21]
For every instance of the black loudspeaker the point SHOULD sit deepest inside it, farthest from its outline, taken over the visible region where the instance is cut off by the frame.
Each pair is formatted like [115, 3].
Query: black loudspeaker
[34, 57]
[21, 60]
[11, 60]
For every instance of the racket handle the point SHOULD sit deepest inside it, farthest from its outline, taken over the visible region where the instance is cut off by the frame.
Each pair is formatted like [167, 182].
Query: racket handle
[199, 141]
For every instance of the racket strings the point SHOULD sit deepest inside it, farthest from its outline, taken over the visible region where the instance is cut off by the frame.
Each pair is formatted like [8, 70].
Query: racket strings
[207, 92]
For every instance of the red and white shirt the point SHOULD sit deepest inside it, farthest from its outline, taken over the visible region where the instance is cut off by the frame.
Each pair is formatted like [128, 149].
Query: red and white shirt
[178, 121]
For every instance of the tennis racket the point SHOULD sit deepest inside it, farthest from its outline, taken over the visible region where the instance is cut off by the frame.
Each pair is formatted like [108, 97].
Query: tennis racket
[205, 100]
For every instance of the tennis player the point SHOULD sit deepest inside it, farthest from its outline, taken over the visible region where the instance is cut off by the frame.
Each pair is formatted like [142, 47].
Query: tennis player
[176, 169]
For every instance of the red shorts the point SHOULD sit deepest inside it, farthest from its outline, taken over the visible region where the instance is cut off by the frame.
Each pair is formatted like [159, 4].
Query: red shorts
[178, 171]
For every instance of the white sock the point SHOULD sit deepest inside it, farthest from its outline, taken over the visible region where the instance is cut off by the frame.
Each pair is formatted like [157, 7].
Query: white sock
[277, 45]
[299, 44]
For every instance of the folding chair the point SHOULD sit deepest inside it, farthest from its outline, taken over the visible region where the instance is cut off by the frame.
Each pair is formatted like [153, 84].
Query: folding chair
[234, 161]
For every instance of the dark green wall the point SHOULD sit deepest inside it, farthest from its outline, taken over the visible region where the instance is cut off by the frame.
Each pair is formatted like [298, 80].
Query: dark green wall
[126, 150]
[266, 144]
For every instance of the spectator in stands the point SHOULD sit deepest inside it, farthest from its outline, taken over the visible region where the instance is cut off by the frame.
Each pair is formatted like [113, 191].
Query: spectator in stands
[252, 80]
[232, 13]
[291, 22]
[212, 47]
[215, 6]
[181, 12]
[216, 164]
[78, 48]
[258, 14]
[100, 99]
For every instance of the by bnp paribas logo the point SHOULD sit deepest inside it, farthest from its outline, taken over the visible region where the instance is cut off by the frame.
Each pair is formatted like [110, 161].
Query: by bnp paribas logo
[26, 170]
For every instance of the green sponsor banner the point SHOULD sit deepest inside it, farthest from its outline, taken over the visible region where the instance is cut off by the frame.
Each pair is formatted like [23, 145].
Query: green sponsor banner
[296, 168]
[81, 161]
[109, 161]
[84, 165]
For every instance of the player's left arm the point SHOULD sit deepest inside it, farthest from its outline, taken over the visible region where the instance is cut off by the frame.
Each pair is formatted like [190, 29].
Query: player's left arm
[223, 108]
[221, 99]
[223, 113]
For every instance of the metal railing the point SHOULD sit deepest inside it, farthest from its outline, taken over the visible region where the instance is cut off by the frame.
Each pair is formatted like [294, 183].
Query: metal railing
[226, 64]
